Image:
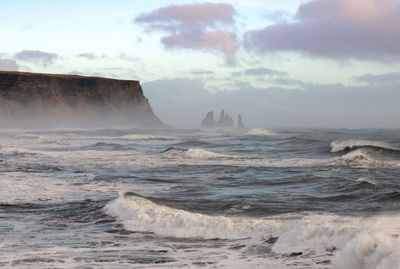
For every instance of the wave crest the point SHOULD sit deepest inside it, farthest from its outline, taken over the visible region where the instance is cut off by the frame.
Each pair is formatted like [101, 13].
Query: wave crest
[259, 132]
[194, 153]
[142, 215]
[355, 242]
[348, 145]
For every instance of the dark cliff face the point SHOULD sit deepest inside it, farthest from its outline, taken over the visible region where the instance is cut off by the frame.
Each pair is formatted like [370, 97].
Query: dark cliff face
[46, 100]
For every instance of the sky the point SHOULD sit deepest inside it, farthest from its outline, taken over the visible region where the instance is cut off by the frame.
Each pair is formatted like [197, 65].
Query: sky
[287, 63]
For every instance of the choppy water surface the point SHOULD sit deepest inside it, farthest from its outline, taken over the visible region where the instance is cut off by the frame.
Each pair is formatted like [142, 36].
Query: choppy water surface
[200, 198]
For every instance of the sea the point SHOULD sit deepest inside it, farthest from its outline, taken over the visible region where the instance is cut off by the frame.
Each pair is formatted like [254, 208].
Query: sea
[195, 198]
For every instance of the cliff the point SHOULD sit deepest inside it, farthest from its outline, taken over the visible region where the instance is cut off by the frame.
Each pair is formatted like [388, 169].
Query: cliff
[47, 100]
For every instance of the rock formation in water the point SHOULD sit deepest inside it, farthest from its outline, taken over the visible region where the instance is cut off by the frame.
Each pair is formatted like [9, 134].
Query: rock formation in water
[209, 121]
[47, 100]
[224, 121]
[240, 123]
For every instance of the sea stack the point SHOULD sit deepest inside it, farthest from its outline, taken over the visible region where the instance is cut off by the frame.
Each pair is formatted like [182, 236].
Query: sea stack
[50, 100]
[224, 121]
[240, 123]
[209, 121]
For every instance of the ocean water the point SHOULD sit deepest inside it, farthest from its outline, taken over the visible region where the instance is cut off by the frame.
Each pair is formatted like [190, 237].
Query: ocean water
[187, 198]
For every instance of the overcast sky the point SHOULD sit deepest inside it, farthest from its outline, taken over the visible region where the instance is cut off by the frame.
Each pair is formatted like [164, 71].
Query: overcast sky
[287, 63]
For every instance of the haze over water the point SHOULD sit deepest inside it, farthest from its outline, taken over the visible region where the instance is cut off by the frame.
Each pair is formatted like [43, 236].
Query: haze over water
[190, 198]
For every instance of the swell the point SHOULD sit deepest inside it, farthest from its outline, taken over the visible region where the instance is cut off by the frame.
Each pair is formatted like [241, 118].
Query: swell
[82, 211]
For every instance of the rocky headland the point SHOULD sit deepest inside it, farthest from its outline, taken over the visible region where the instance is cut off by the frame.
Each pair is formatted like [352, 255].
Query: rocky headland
[49, 100]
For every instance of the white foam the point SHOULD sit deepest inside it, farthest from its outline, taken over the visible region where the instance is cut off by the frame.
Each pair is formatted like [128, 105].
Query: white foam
[375, 246]
[143, 215]
[198, 153]
[18, 188]
[145, 137]
[259, 132]
[367, 180]
[338, 145]
[358, 154]
[140, 214]
[364, 158]
[356, 242]
[180, 155]
[17, 150]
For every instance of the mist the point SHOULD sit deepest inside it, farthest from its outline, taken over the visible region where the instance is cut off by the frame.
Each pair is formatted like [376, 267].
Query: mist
[185, 102]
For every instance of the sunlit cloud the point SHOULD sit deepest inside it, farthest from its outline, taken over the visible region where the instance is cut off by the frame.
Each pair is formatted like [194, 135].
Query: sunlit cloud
[195, 26]
[336, 29]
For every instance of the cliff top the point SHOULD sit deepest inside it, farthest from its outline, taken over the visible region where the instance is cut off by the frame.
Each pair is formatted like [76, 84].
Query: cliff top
[33, 99]
[29, 74]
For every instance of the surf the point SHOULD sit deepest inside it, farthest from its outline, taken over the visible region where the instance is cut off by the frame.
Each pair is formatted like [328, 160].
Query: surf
[355, 242]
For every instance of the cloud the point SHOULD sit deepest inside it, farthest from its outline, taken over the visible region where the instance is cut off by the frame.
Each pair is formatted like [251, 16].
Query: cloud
[36, 56]
[129, 58]
[388, 78]
[89, 56]
[336, 29]
[278, 16]
[194, 26]
[201, 72]
[290, 82]
[8, 65]
[261, 71]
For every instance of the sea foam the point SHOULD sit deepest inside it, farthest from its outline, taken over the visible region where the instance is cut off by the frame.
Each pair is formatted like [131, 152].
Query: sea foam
[259, 132]
[356, 242]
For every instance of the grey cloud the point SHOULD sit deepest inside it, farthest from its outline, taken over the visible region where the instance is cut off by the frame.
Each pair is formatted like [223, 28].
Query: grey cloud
[263, 71]
[194, 26]
[8, 65]
[260, 71]
[237, 74]
[201, 72]
[388, 78]
[36, 56]
[89, 56]
[335, 29]
[289, 82]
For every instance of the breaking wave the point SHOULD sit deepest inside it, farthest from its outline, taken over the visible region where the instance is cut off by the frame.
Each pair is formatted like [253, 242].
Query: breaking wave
[194, 153]
[140, 214]
[364, 152]
[356, 242]
[351, 145]
[259, 132]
